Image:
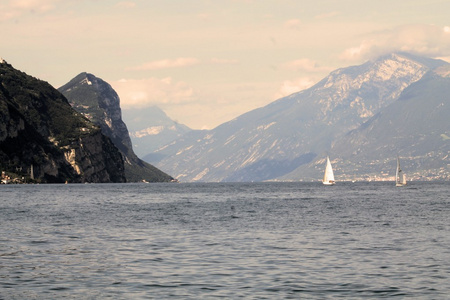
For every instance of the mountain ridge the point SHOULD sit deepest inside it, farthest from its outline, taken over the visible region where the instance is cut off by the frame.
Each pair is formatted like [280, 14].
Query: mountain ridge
[150, 128]
[422, 146]
[293, 131]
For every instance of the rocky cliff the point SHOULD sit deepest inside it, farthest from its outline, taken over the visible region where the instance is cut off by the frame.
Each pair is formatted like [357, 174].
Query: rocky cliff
[97, 101]
[44, 140]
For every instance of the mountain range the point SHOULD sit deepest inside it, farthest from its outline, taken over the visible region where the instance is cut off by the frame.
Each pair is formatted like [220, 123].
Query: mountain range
[361, 116]
[97, 101]
[150, 128]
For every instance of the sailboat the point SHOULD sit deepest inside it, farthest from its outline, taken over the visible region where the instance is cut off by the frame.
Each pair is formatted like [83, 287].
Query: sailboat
[328, 177]
[400, 177]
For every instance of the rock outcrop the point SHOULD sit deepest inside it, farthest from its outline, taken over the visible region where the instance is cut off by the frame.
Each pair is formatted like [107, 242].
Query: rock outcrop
[44, 139]
[97, 101]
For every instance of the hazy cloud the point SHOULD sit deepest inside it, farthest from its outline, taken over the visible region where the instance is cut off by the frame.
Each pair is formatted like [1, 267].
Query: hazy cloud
[151, 91]
[427, 40]
[16, 8]
[204, 16]
[327, 15]
[222, 61]
[306, 65]
[292, 24]
[289, 87]
[33, 5]
[126, 4]
[218, 57]
[167, 64]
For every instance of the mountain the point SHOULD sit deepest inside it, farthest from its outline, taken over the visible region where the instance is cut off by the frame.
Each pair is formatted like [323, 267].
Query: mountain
[415, 127]
[150, 128]
[43, 139]
[97, 101]
[279, 140]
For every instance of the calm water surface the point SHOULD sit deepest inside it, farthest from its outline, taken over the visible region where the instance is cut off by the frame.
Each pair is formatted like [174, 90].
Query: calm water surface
[206, 241]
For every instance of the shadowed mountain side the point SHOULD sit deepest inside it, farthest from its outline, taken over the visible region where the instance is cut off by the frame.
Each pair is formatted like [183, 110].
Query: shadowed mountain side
[43, 139]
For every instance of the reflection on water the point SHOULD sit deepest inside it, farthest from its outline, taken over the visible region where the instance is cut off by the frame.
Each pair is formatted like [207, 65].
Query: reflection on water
[256, 241]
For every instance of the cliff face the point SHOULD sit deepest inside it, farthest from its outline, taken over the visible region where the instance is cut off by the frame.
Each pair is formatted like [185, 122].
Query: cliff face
[96, 159]
[97, 101]
[42, 137]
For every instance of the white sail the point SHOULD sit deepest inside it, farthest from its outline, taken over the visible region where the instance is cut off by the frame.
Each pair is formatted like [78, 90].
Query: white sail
[400, 177]
[328, 177]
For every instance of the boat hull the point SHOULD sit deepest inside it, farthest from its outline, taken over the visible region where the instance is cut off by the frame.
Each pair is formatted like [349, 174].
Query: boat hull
[328, 182]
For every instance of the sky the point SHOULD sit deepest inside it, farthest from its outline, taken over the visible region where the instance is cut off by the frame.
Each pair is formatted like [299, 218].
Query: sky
[205, 62]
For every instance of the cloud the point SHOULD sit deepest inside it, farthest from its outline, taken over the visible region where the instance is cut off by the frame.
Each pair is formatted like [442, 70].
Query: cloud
[222, 61]
[33, 5]
[305, 65]
[428, 40]
[204, 17]
[292, 24]
[446, 58]
[135, 93]
[289, 87]
[126, 4]
[179, 62]
[327, 15]
[16, 8]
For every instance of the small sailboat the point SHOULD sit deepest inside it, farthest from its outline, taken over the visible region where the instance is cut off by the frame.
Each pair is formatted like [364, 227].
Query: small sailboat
[400, 177]
[328, 177]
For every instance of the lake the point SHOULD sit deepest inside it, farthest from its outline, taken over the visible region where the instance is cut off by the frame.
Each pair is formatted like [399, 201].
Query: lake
[225, 240]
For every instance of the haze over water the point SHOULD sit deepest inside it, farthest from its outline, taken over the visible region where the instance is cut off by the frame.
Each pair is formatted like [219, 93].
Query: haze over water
[230, 240]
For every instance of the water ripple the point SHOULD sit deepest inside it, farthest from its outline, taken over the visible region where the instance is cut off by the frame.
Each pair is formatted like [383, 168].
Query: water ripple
[252, 241]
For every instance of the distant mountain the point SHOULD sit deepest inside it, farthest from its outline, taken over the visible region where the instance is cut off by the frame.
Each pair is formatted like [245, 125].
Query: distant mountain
[281, 139]
[43, 139]
[98, 102]
[150, 128]
[415, 127]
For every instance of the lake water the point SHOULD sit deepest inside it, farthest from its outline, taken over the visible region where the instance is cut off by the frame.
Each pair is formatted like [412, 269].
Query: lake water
[230, 240]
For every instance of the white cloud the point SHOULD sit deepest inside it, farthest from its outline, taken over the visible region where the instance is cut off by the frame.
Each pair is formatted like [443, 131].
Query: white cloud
[446, 58]
[152, 91]
[427, 40]
[359, 52]
[289, 87]
[179, 62]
